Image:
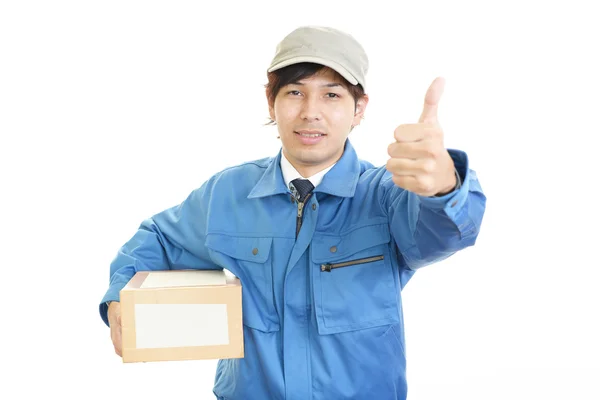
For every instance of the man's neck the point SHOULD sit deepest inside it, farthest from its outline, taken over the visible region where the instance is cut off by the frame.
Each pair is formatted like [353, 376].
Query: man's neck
[308, 170]
[313, 172]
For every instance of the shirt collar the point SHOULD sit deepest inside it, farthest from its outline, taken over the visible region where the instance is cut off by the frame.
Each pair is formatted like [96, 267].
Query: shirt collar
[290, 173]
[338, 180]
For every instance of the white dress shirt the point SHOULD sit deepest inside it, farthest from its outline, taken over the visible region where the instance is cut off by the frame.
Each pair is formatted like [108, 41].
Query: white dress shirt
[290, 173]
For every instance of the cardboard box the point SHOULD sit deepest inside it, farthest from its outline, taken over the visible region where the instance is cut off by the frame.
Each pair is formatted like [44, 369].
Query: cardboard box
[181, 315]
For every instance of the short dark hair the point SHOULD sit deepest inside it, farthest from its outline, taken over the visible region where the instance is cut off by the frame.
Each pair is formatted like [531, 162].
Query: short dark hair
[296, 72]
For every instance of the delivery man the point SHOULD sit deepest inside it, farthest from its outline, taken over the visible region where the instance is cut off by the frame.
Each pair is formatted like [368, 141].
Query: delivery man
[322, 242]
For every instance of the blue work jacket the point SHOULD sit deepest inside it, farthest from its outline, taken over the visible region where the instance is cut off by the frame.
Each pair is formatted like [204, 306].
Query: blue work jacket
[322, 305]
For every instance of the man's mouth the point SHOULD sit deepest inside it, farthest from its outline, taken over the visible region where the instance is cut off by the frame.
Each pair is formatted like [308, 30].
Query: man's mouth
[310, 134]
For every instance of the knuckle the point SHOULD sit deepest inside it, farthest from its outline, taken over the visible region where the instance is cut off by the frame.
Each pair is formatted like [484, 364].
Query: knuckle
[398, 180]
[426, 185]
[429, 166]
[433, 152]
[419, 183]
[389, 165]
[399, 132]
[390, 149]
[433, 130]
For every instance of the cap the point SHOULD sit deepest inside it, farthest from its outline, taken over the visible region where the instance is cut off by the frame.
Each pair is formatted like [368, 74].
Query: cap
[327, 46]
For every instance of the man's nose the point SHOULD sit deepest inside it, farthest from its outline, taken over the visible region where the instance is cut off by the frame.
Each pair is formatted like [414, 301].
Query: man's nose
[311, 110]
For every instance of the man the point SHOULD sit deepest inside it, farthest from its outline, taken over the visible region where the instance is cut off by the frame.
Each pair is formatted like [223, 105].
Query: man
[322, 242]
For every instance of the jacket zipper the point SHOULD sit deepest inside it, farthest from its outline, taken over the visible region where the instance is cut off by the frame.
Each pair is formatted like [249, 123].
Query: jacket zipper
[300, 213]
[329, 267]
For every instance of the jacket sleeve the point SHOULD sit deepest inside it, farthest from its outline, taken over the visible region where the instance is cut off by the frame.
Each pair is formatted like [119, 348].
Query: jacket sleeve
[171, 239]
[430, 229]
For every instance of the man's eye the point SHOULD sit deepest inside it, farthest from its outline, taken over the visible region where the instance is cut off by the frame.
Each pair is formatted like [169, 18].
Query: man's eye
[294, 92]
[332, 95]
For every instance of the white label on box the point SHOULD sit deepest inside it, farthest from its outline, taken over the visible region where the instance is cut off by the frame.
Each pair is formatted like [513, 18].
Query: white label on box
[179, 325]
[157, 279]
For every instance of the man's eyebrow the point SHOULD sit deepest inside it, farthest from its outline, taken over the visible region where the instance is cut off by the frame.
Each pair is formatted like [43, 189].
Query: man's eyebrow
[332, 84]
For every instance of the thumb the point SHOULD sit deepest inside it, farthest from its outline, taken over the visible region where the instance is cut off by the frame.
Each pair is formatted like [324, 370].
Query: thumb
[432, 99]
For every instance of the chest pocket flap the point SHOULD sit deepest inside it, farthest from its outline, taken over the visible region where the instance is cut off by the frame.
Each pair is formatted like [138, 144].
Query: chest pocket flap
[354, 280]
[254, 249]
[249, 258]
[328, 249]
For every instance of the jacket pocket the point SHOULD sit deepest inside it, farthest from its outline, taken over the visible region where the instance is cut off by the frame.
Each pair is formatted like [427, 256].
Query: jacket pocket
[354, 280]
[329, 266]
[249, 258]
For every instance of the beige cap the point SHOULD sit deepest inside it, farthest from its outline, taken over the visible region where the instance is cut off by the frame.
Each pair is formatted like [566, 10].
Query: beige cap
[323, 45]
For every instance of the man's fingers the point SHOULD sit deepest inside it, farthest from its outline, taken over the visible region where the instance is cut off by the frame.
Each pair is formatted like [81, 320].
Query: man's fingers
[422, 185]
[412, 150]
[415, 132]
[405, 181]
[114, 319]
[401, 166]
[411, 167]
[432, 100]
[115, 333]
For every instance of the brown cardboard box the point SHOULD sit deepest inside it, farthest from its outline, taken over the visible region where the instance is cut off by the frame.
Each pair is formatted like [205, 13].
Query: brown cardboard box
[181, 315]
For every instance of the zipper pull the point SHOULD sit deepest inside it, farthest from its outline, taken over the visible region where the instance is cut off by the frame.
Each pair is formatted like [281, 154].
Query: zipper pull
[325, 267]
[300, 208]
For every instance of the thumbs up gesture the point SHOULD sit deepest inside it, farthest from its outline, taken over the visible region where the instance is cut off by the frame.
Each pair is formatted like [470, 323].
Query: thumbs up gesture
[419, 161]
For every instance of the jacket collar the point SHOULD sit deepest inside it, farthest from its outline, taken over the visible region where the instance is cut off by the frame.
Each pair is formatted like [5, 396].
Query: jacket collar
[341, 180]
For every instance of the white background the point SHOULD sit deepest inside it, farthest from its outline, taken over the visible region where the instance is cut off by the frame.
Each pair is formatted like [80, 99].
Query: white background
[107, 109]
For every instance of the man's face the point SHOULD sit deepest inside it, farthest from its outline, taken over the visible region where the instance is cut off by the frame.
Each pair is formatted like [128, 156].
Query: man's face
[314, 117]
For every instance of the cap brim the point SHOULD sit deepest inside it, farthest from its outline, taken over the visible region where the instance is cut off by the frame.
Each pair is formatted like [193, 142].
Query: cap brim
[318, 60]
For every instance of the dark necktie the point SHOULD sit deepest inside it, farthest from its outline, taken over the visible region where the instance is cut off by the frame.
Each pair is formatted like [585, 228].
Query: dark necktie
[301, 188]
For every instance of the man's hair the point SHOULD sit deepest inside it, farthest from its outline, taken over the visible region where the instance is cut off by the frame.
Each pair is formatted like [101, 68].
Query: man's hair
[296, 72]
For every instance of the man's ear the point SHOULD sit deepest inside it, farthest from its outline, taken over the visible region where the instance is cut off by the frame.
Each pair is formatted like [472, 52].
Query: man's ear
[271, 105]
[272, 113]
[361, 106]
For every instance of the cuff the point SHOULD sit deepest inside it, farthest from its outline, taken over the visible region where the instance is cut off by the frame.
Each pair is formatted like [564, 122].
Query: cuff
[452, 202]
[111, 295]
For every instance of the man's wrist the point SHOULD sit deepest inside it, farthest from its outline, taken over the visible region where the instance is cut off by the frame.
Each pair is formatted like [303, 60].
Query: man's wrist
[457, 185]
